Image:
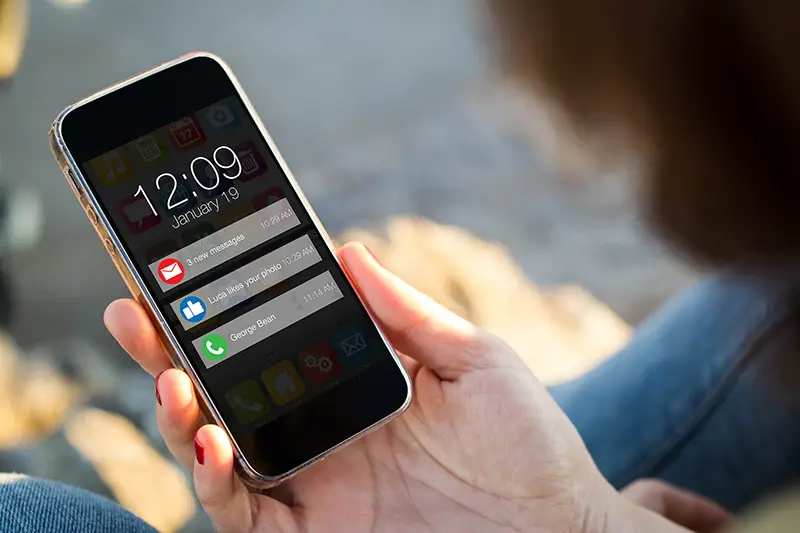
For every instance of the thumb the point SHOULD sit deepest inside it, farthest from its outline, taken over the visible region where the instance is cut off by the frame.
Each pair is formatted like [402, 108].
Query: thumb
[416, 325]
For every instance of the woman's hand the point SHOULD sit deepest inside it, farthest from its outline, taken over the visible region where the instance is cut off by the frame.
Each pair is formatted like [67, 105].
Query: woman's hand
[482, 448]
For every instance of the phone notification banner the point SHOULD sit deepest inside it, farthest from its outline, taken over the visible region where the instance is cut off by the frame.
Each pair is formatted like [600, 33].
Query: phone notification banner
[219, 247]
[265, 320]
[245, 282]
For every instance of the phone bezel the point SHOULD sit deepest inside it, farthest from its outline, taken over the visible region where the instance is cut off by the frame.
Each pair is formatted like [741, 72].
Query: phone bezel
[138, 287]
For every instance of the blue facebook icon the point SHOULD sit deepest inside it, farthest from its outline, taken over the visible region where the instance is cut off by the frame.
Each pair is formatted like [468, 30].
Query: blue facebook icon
[193, 309]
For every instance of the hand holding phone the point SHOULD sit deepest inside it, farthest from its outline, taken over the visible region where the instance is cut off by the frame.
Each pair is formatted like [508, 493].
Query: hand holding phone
[238, 286]
[482, 444]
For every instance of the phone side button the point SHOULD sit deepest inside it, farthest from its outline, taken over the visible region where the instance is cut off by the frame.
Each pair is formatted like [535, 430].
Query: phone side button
[112, 250]
[92, 216]
[75, 182]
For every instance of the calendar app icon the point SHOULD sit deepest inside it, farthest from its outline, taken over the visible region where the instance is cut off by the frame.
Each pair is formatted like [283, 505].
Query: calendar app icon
[150, 149]
[186, 133]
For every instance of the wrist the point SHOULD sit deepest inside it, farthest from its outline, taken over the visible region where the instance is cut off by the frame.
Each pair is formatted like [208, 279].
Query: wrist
[589, 504]
[605, 510]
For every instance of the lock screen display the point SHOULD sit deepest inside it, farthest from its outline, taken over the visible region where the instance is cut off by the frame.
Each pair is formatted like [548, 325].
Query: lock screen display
[239, 271]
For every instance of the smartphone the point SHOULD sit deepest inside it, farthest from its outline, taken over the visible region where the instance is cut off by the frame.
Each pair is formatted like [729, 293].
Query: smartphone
[212, 235]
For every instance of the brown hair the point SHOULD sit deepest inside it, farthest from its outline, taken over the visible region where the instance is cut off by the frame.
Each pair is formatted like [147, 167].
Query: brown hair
[710, 92]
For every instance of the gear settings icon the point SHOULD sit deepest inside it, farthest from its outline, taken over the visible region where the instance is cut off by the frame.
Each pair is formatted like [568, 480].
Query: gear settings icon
[323, 363]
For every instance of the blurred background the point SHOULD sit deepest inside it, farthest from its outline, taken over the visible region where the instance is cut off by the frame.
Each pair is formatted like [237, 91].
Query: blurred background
[401, 131]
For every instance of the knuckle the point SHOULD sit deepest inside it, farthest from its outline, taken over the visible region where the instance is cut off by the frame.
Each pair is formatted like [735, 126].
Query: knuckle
[483, 349]
[213, 499]
[478, 347]
[208, 500]
[493, 349]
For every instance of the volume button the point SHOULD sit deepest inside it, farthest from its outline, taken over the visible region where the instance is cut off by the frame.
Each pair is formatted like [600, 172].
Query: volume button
[75, 182]
[92, 215]
[112, 250]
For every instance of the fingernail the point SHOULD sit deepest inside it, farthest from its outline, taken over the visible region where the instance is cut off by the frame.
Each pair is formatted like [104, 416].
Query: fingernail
[372, 254]
[199, 452]
[158, 396]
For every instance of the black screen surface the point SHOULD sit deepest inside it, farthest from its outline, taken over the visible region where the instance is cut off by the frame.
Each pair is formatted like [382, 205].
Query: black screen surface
[237, 268]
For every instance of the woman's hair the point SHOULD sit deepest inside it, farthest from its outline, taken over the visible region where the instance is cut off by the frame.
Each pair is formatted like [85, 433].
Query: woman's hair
[709, 90]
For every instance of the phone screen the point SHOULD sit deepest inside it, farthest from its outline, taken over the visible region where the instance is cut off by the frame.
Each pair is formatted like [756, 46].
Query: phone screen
[235, 264]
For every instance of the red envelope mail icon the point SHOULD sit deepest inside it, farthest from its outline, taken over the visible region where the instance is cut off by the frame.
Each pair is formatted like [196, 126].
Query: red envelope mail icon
[170, 271]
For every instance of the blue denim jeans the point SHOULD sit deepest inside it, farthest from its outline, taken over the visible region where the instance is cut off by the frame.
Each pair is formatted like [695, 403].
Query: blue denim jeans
[36, 506]
[696, 398]
[703, 396]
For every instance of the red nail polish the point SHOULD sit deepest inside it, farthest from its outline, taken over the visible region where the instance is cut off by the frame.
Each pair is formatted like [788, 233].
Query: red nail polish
[199, 452]
[158, 396]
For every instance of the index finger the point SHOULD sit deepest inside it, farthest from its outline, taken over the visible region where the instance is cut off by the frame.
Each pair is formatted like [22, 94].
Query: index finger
[129, 324]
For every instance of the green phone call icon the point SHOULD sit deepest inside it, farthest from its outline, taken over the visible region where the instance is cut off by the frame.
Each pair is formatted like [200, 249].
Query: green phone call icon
[247, 402]
[215, 347]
